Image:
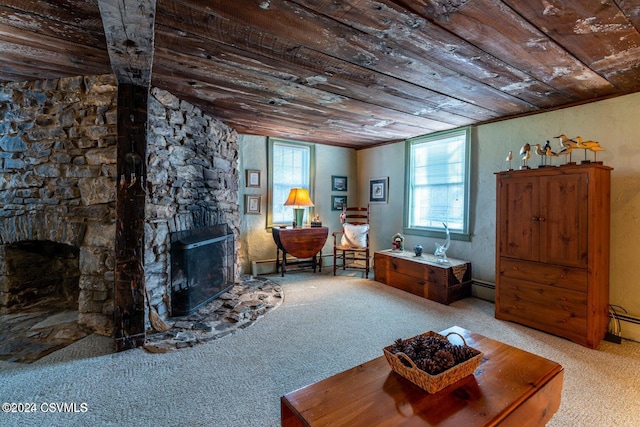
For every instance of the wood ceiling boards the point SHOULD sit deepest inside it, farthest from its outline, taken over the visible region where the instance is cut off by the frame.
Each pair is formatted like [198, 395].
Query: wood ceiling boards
[351, 73]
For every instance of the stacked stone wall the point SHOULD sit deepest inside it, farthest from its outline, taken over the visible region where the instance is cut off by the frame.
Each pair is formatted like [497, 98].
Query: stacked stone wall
[193, 177]
[57, 177]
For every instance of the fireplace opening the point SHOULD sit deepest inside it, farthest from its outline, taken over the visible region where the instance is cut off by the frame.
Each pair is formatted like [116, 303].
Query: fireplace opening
[40, 274]
[39, 290]
[202, 267]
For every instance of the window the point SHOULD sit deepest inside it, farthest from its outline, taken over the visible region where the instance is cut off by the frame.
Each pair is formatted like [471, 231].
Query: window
[291, 165]
[437, 184]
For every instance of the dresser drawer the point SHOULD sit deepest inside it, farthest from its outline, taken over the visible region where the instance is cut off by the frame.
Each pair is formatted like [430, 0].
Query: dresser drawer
[548, 274]
[553, 309]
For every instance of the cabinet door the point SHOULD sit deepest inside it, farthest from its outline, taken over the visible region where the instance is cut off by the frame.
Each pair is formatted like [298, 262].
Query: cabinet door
[563, 219]
[518, 225]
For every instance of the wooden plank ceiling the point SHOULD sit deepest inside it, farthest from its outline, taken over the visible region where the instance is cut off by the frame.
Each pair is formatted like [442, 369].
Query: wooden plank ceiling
[351, 73]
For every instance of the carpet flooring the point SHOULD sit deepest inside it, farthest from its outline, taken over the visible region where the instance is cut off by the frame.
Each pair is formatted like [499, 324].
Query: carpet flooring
[325, 325]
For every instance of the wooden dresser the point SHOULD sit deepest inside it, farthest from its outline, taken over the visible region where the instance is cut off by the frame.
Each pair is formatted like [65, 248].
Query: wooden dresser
[552, 250]
[424, 275]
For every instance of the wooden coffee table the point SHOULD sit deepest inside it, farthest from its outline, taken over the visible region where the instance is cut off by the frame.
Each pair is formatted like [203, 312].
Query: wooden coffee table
[511, 387]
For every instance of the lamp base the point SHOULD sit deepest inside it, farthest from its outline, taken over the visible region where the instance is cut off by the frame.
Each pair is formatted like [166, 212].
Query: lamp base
[299, 217]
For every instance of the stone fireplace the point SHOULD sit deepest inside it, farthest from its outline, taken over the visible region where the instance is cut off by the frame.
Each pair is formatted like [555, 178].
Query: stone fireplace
[57, 188]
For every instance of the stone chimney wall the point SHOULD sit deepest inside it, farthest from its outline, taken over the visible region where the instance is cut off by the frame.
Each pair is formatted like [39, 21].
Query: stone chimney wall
[57, 178]
[193, 178]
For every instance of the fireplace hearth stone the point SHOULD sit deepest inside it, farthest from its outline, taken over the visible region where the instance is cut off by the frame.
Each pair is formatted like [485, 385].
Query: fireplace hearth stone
[32, 334]
[236, 309]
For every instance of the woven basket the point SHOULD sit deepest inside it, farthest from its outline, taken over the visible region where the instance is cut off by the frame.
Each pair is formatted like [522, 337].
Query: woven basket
[427, 382]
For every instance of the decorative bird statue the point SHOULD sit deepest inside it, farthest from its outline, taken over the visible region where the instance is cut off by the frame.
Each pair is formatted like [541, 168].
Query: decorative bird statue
[549, 152]
[567, 146]
[542, 153]
[509, 158]
[588, 145]
[595, 147]
[441, 250]
[565, 141]
[566, 151]
[525, 153]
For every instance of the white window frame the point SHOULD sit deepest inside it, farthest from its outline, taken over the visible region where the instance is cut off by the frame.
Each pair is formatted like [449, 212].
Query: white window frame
[274, 205]
[458, 223]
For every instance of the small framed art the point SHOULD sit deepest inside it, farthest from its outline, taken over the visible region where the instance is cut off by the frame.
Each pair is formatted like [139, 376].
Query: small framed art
[252, 204]
[379, 190]
[252, 178]
[338, 183]
[338, 203]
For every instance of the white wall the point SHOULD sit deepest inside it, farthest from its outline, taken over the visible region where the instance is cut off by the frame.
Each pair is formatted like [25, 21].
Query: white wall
[257, 241]
[615, 123]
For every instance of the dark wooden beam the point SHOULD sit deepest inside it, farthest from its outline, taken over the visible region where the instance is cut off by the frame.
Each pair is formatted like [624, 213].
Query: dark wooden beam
[129, 296]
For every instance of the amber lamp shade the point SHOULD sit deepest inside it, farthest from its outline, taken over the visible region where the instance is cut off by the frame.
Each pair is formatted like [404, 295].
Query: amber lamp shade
[298, 199]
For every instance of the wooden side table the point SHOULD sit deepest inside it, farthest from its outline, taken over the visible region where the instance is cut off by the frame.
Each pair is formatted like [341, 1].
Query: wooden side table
[304, 243]
[511, 387]
[424, 275]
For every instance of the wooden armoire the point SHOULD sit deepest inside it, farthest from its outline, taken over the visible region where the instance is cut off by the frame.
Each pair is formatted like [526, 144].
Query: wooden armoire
[552, 250]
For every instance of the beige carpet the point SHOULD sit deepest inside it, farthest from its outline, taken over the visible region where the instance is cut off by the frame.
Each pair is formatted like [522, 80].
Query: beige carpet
[325, 325]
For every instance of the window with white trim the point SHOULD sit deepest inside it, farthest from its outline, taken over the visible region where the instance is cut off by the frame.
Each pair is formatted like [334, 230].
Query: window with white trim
[291, 165]
[437, 184]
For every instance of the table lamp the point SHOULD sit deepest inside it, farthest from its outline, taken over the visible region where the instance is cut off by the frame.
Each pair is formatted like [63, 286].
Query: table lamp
[298, 199]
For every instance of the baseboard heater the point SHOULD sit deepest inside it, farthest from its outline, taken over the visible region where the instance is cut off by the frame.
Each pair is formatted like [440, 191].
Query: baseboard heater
[483, 290]
[268, 266]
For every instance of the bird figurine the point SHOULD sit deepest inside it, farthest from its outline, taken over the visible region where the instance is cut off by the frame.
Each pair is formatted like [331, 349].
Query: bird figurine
[566, 151]
[566, 146]
[549, 152]
[588, 145]
[509, 158]
[542, 153]
[595, 147]
[525, 153]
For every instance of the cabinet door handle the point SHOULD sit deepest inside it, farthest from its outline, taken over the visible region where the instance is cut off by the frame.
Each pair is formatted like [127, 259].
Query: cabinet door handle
[535, 218]
[542, 219]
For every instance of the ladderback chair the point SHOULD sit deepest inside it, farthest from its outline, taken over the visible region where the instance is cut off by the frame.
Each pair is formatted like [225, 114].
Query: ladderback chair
[351, 244]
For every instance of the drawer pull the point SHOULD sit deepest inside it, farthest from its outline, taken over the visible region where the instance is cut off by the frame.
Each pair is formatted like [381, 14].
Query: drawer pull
[563, 276]
[516, 268]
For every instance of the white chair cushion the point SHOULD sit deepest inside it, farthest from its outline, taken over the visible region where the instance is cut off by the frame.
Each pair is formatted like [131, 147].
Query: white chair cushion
[355, 235]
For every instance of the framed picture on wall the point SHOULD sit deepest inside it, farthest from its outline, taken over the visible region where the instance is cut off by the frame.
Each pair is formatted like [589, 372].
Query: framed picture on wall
[338, 203]
[338, 183]
[379, 190]
[252, 178]
[252, 204]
